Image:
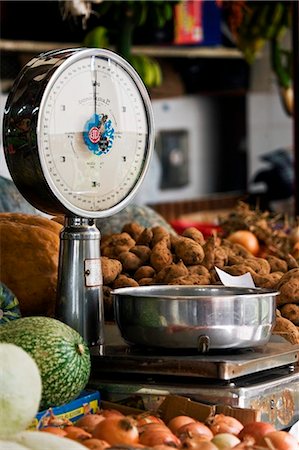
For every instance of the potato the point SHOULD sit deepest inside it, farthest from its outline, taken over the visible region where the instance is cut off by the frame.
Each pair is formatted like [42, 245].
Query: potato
[145, 238]
[171, 272]
[189, 251]
[142, 251]
[116, 244]
[161, 255]
[291, 311]
[124, 281]
[269, 281]
[195, 234]
[159, 234]
[288, 287]
[111, 268]
[130, 262]
[144, 272]
[285, 328]
[198, 269]
[108, 304]
[134, 229]
[277, 264]
[145, 281]
[193, 279]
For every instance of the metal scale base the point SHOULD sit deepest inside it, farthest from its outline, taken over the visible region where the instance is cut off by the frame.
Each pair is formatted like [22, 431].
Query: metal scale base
[265, 379]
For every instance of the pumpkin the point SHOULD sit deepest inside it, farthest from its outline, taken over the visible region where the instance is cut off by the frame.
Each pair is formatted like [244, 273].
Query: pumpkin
[60, 353]
[20, 392]
[29, 248]
[9, 305]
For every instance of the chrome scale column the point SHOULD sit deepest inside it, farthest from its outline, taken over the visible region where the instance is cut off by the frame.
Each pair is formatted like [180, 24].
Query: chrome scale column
[79, 293]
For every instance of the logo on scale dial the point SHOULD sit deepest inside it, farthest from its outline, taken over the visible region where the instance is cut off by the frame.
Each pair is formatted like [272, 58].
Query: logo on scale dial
[99, 134]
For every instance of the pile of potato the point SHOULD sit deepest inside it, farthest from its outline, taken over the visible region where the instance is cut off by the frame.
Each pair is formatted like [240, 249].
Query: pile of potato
[140, 256]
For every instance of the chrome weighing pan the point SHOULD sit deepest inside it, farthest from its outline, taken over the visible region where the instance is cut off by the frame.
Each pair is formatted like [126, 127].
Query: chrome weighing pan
[196, 317]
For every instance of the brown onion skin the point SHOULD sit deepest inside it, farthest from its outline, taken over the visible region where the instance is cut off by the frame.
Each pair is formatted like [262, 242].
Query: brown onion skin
[158, 434]
[247, 239]
[76, 433]
[110, 413]
[256, 430]
[280, 440]
[89, 422]
[194, 429]
[54, 430]
[220, 423]
[177, 422]
[96, 444]
[117, 431]
[194, 442]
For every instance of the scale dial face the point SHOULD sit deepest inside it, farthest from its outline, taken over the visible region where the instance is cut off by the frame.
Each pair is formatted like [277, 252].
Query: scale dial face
[94, 133]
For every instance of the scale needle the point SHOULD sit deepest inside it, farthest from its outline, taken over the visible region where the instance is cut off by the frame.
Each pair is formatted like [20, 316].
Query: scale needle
[94, 82]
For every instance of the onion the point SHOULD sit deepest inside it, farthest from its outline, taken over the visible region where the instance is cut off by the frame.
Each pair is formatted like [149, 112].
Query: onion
[144, 419]
[177, 422]
[54, 430]
[280, 440]
[96, 444]
[76, 433]
[194, 429]
[257, 430]
[117, 431]
[220, 423]
[247, 239]
[158, 434]
[89, 422]
[225, 440]
[110, 413]
[194, 442]
[199, 443]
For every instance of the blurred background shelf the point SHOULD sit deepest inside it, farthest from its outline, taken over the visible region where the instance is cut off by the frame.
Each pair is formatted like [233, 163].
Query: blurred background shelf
[156, 51]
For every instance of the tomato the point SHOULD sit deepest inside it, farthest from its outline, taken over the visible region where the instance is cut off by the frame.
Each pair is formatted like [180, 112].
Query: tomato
[247, 239]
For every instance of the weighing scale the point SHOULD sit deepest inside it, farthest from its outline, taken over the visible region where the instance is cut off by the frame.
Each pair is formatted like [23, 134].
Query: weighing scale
[78, 137]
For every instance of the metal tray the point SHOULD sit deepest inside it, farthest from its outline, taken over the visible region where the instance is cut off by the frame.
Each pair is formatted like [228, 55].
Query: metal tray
[201, 317]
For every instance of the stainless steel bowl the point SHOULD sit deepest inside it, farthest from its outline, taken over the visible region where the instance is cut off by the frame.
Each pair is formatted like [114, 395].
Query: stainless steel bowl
[200, 317]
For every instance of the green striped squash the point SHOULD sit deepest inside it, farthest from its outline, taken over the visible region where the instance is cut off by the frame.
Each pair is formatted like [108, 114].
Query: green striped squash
[61, 354]
[9, 305]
